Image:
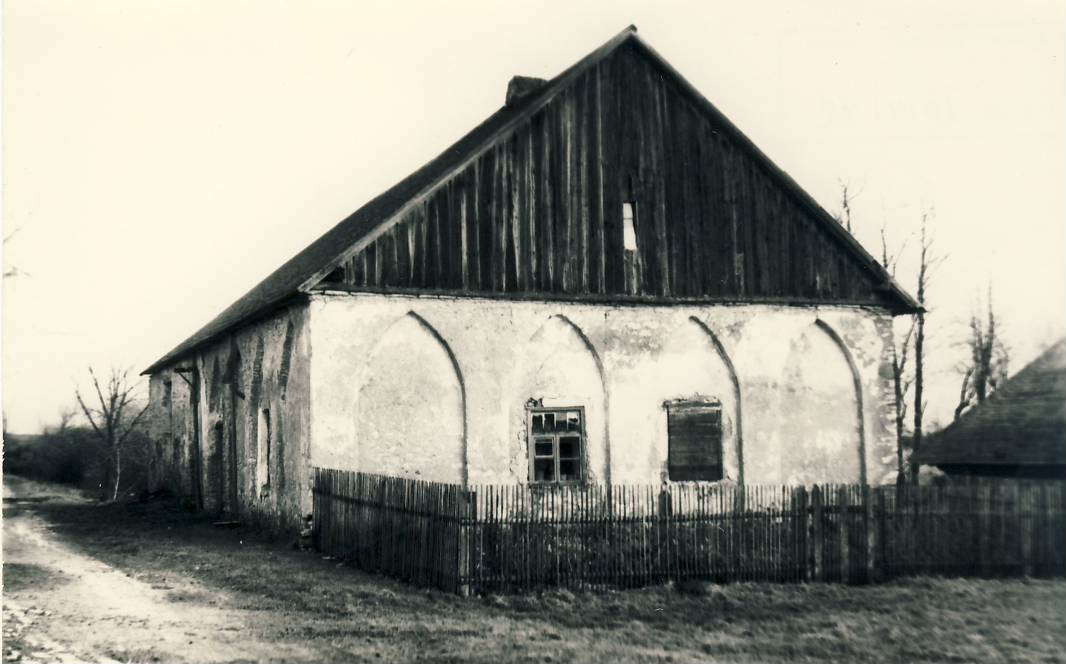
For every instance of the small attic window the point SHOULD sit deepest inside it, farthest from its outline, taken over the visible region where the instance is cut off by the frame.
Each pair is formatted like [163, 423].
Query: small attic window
[630, 255]
[629, 233]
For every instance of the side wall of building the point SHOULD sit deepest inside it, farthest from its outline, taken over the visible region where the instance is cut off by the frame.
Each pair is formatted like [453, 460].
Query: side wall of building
[437, 388]
[233, 426]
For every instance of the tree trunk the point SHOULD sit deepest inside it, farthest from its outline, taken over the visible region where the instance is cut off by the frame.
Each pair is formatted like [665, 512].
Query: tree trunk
[924, 264]
[897, 385]
[109, 477]
[919, 370]
[118, 473]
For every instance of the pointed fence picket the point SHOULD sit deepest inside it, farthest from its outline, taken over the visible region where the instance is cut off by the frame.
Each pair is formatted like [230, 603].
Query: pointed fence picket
[491, 538]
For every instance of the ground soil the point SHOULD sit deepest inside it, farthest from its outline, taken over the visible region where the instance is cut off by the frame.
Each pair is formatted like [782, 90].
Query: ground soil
[150, 582]
[63, 605]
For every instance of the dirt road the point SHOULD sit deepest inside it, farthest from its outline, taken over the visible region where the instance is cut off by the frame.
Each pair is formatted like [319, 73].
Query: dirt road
[60, 605]
[152, 582]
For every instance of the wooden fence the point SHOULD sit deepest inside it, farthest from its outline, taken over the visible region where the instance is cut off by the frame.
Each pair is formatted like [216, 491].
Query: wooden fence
[403, 528]
[493, 538]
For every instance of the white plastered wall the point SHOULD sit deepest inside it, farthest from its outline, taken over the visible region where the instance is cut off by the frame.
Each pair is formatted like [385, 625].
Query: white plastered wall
[436, 388]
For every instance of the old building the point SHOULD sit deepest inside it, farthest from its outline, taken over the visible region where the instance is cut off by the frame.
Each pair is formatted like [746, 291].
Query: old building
[605, 281]
[1019, 431]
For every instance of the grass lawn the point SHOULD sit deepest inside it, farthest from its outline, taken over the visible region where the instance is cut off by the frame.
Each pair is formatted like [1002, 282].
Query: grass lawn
[341, 613]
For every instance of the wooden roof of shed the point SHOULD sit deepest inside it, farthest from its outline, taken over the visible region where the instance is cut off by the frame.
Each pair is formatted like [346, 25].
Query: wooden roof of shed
[1023, 423]
[307, 269]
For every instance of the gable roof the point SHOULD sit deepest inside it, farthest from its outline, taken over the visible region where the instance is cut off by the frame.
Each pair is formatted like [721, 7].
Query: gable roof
[1022, 423]
[306, 269]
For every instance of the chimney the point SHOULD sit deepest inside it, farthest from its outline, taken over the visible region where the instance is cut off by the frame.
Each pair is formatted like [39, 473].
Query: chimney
[521, 87]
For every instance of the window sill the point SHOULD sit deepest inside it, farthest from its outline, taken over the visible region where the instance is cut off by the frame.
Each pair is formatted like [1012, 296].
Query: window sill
[550, 485]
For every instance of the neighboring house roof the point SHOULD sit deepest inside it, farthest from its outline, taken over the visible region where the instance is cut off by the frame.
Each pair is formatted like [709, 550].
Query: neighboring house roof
[1023, 423]
[305, 270]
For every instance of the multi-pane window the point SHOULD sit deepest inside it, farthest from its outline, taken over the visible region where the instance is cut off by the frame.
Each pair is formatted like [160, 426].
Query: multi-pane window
[556, 442]
[694, 429]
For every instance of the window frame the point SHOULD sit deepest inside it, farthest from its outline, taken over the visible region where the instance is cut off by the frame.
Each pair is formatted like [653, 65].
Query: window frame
[531, 439]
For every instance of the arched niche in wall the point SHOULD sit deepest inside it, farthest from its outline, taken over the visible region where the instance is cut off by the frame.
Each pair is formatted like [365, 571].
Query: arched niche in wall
[411, 406]
[693, 367]
[821, 409]
[560, 368]
[214, 385]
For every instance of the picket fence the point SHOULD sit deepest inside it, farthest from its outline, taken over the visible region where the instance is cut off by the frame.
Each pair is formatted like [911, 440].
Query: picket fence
[504, 538]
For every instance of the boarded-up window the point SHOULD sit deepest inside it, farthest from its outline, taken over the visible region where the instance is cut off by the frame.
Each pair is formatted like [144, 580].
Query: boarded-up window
[694, 429]
[556, 445]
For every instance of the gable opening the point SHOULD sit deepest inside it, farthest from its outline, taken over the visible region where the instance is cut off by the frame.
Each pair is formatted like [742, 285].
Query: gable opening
[631, 254]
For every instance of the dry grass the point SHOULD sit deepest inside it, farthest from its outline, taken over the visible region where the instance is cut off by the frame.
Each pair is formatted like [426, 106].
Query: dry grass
[341, 613]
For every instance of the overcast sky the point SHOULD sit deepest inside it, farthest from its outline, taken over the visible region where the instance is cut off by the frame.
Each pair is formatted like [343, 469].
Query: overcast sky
[160, 158]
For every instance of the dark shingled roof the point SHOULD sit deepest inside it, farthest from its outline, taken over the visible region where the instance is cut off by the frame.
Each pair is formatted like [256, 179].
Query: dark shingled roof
[302, 271]
[1023, 422]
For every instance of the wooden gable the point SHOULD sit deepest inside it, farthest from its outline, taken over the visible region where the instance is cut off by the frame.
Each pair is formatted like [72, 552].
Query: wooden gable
[540, 211]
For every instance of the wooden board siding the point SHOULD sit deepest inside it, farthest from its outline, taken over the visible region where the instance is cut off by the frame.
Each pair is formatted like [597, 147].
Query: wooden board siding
[541, 211]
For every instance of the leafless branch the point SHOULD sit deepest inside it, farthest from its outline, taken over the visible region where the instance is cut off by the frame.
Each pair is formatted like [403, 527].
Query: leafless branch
[132, 424]
[965, 393]
[110, 421]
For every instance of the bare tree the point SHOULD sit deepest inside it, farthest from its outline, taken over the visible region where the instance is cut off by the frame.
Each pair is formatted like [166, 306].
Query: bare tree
[927, 261]
[988, 362]
[112, 422]
[901, 382]
[846, 198]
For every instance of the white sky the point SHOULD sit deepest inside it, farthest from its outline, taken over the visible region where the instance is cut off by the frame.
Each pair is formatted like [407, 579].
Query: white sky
[160, 158]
